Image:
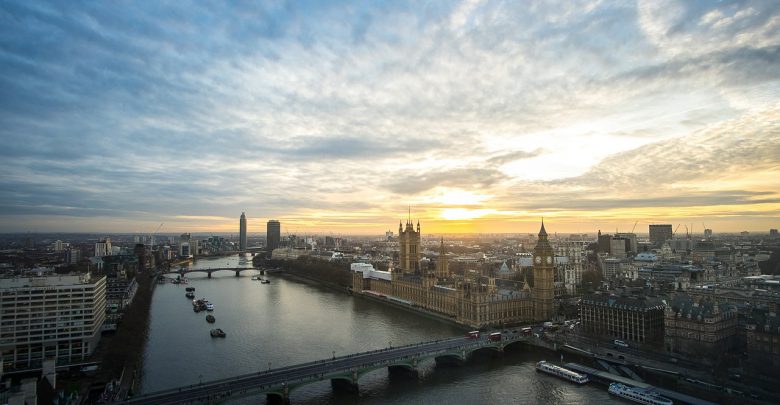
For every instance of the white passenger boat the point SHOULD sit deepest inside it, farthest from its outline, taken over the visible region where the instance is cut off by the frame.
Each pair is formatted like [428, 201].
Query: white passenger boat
[561, 372]
[647, 396]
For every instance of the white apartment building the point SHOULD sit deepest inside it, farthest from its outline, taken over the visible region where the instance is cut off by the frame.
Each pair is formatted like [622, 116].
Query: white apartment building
[103, 248]
[54, 317]
[570, 257]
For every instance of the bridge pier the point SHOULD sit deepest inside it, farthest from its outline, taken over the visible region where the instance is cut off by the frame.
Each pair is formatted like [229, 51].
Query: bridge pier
[449, 361]
[339, 384]
[237, 273]
[209, 273]
[403, 372]
[276, 399]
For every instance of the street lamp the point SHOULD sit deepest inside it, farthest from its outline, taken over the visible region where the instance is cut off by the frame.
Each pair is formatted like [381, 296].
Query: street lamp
[200, 378]
[333, 352]
[269, 366]
[390, 343]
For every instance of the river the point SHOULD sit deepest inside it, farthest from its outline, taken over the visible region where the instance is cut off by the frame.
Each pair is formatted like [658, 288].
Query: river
[291, 321]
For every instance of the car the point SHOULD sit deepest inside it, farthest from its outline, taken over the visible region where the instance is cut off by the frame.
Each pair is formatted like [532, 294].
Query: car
[620, 343]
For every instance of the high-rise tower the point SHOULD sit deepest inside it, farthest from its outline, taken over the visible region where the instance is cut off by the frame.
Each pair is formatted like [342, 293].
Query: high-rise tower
[543, 291]
[273, 235]
[659, 234]
[409, 240]
[242, 233]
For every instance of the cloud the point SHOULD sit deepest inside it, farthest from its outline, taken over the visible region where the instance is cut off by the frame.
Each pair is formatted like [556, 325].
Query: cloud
[577, 202]
[469, 177]
[282, 109]
[513, 156]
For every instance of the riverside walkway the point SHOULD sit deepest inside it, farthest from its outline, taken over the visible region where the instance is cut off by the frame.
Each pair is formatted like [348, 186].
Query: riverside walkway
[343, 371]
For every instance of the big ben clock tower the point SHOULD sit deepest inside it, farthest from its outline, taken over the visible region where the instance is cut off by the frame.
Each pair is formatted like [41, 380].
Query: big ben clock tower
[543, 290]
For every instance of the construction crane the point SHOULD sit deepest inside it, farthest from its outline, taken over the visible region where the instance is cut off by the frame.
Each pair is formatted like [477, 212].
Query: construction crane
[634, 227]
[675, 230]
[151, 235]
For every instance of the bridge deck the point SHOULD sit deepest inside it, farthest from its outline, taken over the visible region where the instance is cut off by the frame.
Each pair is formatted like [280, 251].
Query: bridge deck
[208, 270]
[276, 380]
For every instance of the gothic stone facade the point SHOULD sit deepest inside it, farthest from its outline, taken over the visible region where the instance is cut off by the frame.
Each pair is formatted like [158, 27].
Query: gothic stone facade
[475, 302]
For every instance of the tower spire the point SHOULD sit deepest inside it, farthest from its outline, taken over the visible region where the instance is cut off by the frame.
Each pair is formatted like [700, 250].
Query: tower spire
[543, 231]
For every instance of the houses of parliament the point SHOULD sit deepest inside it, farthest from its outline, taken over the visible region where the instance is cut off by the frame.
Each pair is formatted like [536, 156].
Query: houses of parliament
[473, 300]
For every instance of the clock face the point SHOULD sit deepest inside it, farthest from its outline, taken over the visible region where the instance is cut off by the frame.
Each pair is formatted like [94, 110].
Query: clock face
[549, 260]
[538, 259]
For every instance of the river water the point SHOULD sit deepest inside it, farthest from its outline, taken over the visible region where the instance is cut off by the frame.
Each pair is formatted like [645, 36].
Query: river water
[291, 321]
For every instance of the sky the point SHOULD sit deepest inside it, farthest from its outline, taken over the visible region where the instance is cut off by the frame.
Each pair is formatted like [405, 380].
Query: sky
[340, 117]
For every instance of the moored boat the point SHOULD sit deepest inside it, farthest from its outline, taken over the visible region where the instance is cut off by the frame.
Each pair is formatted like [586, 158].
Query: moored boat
[199, 305]
[647, 396]
[209, 306]
[190, 289]
[561, 372]
[210, 318]
[218, 333]
[190, 294]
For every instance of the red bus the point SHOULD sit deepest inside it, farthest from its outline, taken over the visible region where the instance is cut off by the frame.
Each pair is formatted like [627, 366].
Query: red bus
[474, 334]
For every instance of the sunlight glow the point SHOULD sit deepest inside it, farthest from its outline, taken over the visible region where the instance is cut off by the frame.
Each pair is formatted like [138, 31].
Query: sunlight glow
[463, 213]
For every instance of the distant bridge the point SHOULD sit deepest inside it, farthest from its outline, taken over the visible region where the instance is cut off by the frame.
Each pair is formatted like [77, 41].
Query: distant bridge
[343, 371]
[237, 270]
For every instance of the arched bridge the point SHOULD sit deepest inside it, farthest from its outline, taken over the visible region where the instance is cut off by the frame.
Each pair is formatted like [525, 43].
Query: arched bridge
[237, 270]
[343, 371]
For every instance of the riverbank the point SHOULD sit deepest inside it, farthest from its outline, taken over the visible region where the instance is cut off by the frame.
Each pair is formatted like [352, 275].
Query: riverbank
[418, 311]
[316, 281]
[357, 294]
[122, 357]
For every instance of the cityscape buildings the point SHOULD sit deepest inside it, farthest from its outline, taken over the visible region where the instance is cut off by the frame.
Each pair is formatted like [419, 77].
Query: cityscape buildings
[484, 115]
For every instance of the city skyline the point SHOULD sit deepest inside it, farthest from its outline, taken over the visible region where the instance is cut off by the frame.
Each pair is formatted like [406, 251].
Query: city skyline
[482, 116]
